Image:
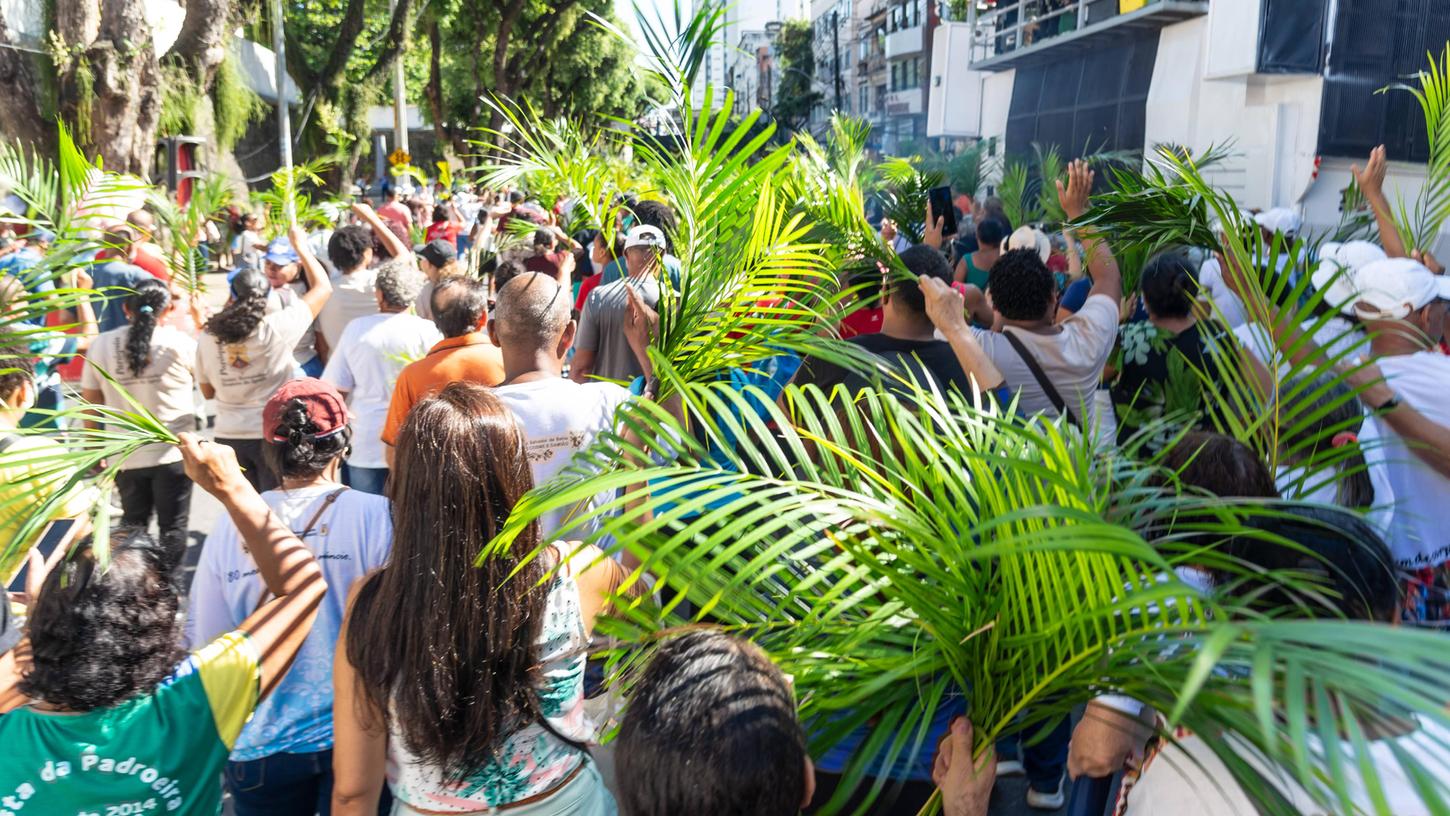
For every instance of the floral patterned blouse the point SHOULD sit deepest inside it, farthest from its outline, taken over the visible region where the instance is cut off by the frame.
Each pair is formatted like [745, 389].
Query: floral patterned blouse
[532, 760]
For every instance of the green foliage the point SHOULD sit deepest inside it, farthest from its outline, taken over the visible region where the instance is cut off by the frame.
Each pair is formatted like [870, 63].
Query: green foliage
[1420, 224]
[1019, 203]
[180, 99]
[289, 200]
[183, 228]
[1146, 211]
[962, 171]
[63, 195]
[235, 105]
[905, 189]
[911, 549]
[797, 94]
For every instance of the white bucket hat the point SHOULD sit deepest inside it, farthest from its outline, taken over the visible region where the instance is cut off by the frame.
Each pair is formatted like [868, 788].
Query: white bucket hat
[1029, 238]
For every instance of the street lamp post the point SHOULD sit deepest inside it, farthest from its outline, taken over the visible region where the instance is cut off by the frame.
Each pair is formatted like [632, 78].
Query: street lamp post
[400, 113]
[284, 119]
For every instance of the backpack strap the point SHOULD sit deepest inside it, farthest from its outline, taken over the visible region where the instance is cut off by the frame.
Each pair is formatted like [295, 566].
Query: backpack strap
[1041, 376]
[322, 506]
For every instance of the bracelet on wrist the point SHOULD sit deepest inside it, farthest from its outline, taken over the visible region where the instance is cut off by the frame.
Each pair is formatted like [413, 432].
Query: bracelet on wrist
[1388, 405]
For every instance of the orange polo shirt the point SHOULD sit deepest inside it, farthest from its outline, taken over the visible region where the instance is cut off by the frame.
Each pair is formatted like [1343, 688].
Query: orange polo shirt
[470, 358]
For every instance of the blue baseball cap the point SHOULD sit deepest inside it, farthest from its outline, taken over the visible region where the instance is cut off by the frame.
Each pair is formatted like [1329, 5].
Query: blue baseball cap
[44, 236]
[281, 253]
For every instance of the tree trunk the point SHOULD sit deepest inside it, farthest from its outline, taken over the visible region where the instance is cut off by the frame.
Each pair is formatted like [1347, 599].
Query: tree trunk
[202, 42]
[433, 91]
[110, 83]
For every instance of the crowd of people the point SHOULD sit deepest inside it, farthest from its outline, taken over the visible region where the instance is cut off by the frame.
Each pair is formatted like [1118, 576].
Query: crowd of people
[378, 408]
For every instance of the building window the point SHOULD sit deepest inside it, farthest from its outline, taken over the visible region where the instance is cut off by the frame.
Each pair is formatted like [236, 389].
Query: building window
[865, 101]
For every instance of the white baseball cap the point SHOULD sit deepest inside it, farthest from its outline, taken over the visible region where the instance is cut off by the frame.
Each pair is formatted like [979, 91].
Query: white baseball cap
[644, 235]
[1335, 275]
[1029, 238]
[1393, 288]
[1280, 219]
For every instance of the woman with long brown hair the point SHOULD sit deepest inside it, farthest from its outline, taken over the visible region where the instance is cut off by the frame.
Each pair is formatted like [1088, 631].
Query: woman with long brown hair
[463, 681]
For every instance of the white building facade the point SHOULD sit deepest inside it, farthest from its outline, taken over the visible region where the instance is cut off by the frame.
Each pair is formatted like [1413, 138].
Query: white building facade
[1288, 84]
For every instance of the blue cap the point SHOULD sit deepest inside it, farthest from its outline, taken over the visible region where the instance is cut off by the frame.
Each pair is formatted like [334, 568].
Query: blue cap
[44, 236]
[281, 253]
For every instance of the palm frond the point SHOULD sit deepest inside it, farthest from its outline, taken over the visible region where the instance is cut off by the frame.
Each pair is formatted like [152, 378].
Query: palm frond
[916, 553]
[1420, 224]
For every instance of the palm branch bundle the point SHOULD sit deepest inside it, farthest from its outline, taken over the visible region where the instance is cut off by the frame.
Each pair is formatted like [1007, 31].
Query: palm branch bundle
[1419, 224]
[923, 553]
[905, 188]
[1146, 211]
[1019, 203]
[554, 159]
[288, 200]
[185, 227]
[1305, 385]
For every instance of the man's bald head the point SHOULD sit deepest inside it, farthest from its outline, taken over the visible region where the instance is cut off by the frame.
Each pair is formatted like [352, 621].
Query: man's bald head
[532, 312]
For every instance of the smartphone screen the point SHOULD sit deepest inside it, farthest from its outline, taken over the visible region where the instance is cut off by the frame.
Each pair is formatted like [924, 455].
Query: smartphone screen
[941, 207]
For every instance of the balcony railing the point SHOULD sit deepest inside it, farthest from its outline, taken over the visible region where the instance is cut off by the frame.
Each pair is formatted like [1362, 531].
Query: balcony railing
[1007, 27]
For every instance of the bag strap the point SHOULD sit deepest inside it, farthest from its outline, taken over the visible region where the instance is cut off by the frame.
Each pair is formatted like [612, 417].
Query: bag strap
[322, 506]
[1047, 387]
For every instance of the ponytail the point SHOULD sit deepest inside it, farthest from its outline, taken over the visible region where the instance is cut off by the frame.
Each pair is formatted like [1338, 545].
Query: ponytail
[150, 300]
[1355, 489]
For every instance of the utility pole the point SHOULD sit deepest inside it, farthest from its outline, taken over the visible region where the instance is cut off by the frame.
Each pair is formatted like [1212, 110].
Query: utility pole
[284, 119]
[836, 52]
[400, 100]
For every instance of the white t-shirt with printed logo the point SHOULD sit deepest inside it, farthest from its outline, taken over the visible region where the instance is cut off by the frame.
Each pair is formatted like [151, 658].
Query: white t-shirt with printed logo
[560, 417]
[365, 363]
[166, 386]
[1418, 535]
[246, 374]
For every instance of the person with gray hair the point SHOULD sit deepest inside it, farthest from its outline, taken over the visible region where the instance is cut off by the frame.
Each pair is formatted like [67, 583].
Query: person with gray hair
[371, 352]
[534, 327]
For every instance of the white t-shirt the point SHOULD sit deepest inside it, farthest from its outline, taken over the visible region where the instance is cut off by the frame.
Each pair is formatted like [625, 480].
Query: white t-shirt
[353, 296]
[1211, 283]
[166, 387]
[560, 417]
[1336, 337]
[365, 364]
[1188, 779]
[1418, 536]
[246, 374]
[350, 539]
[1072, 359]
[282, 298]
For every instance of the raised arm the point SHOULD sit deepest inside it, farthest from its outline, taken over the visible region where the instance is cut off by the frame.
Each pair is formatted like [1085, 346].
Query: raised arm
[948, 312]
[1371, 182]
[1429, 440]
[391, 243]
[319, 285]
[292, 576]
[1107, 280]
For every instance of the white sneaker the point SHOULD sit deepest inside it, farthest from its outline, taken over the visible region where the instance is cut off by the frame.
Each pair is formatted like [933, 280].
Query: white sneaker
[1043, 800]
[1010, 767]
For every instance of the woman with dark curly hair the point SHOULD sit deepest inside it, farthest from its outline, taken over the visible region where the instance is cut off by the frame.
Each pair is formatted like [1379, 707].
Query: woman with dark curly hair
[245, 354]
[281, 764]
[114, 716]
[152, 363]
[460, 680]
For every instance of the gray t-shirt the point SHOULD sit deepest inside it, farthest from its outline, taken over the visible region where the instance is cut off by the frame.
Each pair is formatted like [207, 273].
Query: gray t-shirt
[601, 327]
[1072, 358]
